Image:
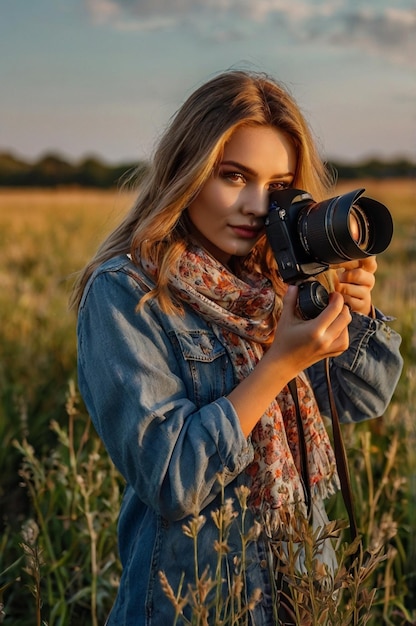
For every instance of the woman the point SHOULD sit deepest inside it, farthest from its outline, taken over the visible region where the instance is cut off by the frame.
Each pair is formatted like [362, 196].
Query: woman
[188, 339]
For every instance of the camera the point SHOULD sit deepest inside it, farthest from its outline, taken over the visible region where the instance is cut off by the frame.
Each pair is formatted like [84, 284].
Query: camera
[307, 237]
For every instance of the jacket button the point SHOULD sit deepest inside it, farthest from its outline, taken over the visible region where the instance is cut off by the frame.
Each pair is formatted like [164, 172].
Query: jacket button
[263, 563]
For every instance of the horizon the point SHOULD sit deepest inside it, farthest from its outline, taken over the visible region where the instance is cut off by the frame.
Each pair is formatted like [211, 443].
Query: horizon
[74, 161]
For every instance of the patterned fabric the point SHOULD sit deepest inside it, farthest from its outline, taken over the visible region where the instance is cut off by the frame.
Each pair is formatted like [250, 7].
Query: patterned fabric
[240, 311]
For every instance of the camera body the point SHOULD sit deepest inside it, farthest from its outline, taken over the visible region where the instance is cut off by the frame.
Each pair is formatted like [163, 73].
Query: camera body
[307, 237]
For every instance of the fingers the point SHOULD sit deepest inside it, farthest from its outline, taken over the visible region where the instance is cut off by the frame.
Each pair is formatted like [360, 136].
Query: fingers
[369, 264]
[332, 326]
[290, 297]
[313, 340]
[336, 314]
[351, 280]
[355, 282]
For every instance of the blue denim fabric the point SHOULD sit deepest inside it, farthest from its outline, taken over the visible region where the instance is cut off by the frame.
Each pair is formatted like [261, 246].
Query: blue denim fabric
[155, 387]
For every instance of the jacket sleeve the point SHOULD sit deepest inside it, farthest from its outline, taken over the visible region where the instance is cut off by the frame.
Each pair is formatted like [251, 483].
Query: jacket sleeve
[364, 377]
[168, 451]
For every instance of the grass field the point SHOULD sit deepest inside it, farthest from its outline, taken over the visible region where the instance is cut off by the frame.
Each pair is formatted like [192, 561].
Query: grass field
[56, 480]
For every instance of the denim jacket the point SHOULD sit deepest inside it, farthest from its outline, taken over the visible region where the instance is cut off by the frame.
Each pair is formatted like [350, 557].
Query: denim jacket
[155, 386]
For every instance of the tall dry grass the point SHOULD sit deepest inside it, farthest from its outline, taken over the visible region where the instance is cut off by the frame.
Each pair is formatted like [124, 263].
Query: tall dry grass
[57, 482]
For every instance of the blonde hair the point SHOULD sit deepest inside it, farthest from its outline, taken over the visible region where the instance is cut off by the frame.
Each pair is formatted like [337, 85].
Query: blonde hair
[188, 152]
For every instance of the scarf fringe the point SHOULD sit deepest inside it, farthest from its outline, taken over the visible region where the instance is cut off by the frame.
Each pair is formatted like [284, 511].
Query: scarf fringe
[286, 521]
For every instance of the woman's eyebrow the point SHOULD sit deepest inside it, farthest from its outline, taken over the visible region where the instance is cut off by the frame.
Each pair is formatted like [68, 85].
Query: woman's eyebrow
[252, 172]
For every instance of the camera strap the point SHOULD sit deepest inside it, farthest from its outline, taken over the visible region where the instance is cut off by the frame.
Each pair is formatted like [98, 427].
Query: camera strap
[339, 450]
[341, 458]
[303, 455]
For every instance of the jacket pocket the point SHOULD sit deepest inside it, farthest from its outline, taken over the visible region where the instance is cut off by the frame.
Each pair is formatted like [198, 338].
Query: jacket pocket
[207, 371]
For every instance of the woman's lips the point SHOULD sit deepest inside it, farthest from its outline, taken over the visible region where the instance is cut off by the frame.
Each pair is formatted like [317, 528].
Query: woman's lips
[246, 232]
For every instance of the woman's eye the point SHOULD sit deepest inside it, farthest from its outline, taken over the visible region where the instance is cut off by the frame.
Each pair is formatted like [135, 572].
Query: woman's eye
[278, 185]
[234, 176]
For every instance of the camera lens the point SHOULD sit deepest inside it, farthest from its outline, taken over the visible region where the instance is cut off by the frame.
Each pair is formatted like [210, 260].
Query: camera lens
[358, 227]
[345, 228]
[313, 298]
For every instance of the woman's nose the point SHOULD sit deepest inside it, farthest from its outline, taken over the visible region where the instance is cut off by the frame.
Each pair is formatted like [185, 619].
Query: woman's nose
[256, 202]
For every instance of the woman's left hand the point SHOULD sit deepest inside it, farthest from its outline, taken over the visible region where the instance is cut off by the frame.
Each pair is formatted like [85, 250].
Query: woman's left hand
[354, 281]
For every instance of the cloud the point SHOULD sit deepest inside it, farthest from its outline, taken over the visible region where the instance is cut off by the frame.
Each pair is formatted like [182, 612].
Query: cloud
[377, 29]
[175, 10]
[390, 33]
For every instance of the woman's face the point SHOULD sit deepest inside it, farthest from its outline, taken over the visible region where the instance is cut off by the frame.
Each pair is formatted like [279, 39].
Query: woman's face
[228, 212]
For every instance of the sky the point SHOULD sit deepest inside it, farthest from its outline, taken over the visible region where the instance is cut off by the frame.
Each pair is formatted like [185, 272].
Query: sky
[103, 77]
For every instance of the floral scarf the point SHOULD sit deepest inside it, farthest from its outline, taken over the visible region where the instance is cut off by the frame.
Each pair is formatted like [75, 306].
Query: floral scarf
[240, 311]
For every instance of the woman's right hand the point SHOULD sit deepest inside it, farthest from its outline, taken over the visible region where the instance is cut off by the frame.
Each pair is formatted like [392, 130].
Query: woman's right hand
[297, 344]
[300, 343]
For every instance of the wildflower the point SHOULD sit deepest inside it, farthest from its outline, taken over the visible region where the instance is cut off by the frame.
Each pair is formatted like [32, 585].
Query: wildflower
[177, 602]
[30, 532]
[195, 524]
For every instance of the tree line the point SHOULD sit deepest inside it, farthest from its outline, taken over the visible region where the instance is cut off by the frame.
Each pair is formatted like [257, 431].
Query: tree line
[52, 170]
